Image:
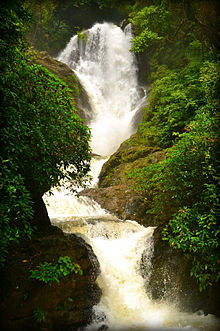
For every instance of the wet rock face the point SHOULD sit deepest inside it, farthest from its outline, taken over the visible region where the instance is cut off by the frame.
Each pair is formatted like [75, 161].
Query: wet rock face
[170, 280]
[29, 304]
[120, 201]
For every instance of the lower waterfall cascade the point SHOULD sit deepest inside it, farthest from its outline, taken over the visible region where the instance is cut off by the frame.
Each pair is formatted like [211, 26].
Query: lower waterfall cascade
[108, 72]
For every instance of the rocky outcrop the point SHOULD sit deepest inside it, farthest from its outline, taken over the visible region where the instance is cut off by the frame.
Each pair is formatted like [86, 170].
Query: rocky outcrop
[120, 201]
[170, 280]
[115, 192]
[62, 71]
[116, 169]
[29, 304]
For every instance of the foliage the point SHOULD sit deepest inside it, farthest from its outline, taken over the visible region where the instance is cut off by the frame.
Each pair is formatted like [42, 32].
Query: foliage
[15, 203]
[146, 26]
[183, 187]
[82, 35]
[41, 132]
[16, 208]
[180, 37]
[50, 273]
[39, 315]
[48, 31]
[195, 231]
[43, 126]
[51, 28]
[173, 101]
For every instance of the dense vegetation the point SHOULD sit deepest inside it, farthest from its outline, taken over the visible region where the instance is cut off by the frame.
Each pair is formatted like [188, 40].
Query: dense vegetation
[182, 118]
[41, 132]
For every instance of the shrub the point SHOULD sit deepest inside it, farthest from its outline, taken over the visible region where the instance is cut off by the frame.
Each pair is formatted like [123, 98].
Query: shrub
[49, 273]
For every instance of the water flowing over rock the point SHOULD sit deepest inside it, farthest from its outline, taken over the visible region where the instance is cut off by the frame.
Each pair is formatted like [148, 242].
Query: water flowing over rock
[170, 281]
[107, 70]
[123, 255]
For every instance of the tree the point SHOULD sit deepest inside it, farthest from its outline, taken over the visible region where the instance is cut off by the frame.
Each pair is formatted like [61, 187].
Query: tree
[41, 132]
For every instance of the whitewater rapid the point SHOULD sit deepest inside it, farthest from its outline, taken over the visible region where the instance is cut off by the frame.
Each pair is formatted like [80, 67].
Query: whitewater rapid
[108, 71]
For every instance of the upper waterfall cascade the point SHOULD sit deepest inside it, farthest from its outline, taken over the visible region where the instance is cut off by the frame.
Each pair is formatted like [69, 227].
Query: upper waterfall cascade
[107, 70]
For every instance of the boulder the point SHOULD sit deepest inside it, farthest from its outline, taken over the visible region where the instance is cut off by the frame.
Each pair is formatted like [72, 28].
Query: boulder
[120, 201]
[116, 190]
[30, 304]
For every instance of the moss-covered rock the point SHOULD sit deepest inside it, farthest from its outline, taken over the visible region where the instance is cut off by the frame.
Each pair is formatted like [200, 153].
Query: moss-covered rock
[116, 190]
[115, 170]
[30, 304]
[62, 71]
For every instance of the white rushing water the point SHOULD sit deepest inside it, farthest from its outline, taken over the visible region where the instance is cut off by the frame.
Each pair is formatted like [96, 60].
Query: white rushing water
[108, 72]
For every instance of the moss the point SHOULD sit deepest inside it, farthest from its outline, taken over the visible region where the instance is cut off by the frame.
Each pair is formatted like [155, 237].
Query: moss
[116, 169]
[83, 35]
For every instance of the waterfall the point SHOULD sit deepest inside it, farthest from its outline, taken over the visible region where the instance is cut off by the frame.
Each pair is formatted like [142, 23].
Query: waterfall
[124, 304]
[107, 70]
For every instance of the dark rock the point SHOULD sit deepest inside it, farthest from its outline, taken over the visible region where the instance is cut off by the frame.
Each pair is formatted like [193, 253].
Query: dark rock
[64, 306]
[170, 280]
[83, 104]
[115, 192]
[103, 328]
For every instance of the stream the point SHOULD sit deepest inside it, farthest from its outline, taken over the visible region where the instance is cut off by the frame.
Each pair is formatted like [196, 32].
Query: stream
[108, 72]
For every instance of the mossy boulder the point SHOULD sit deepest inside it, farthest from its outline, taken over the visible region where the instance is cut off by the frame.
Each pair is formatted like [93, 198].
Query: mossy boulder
[30, 304]
[116, 192]
[116, 169]
[62, 71]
